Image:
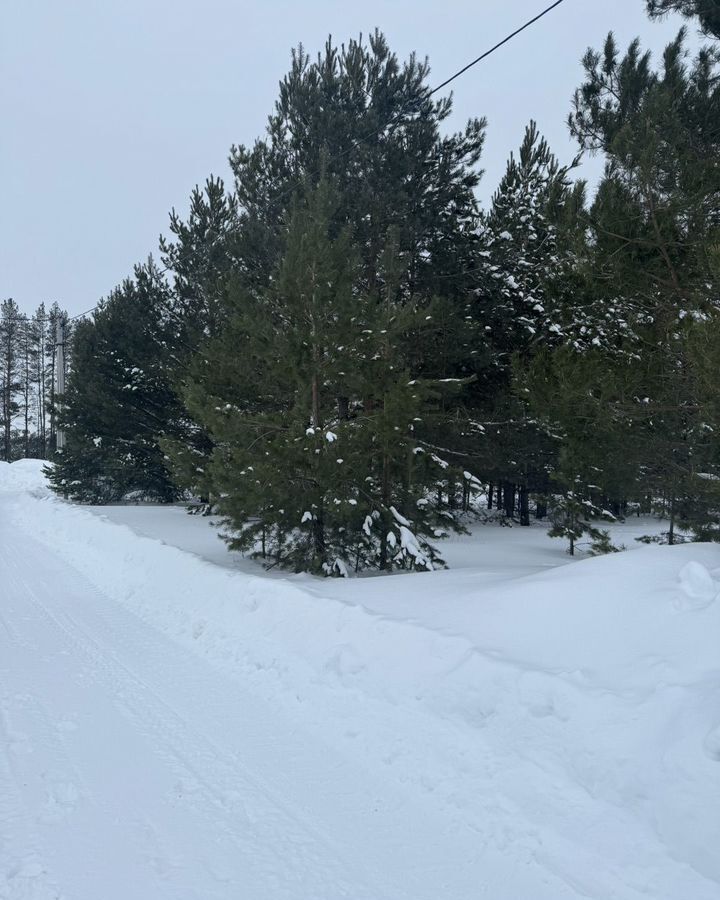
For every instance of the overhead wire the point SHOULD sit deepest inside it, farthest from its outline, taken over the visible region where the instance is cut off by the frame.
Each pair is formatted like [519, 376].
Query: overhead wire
[497, 46]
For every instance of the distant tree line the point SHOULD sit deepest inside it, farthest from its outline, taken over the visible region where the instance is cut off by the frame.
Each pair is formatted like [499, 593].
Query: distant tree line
[340, 350]
[27, 379]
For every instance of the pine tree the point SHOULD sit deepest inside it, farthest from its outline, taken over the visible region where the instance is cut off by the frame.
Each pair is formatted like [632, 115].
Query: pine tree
[200, 256]
[575, 398]
[654, 222]
[635, 409]
[518, 299]
[10, 383]
[37, 359]
[26, 374]
[312, 417]
[118, 402]
[55, 315]
[367, 121]
[574, 515]
[526, 275]
[707, 12]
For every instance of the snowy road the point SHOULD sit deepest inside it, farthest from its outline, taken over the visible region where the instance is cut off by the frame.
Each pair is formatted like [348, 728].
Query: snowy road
[172, 730]
[131, 769]
[108, 777]
[124, 767]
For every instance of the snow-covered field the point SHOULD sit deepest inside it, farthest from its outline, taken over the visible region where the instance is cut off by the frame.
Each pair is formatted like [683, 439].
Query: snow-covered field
[175, 723]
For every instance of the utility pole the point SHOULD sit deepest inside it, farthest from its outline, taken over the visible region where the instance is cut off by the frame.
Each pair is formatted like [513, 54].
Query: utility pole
[59, 378]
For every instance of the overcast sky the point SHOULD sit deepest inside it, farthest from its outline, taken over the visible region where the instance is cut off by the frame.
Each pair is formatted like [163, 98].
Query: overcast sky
[112, 110]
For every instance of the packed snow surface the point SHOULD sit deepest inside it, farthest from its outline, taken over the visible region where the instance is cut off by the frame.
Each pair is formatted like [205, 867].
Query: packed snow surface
[175, 723]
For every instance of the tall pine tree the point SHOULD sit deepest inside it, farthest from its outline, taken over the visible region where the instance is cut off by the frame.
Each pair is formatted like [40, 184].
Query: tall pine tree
[119, 402]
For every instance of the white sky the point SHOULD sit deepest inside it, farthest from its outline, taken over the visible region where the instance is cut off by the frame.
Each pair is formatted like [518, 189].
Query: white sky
[112, 110]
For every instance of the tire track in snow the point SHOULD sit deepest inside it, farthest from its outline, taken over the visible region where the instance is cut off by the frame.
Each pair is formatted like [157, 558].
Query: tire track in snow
[64, 821]
[274, 840]
[23, 874]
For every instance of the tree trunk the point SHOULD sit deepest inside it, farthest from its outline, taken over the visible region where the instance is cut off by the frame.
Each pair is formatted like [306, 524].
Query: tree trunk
[490, 495]
[386, 503]
[26, 393]
[540, 509]
[524, 506]
[316, 402]
[7, 400]
[319, 537]
[509, 498]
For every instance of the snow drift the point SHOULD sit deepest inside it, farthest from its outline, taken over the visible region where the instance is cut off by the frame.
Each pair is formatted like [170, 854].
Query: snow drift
[23, 475]
[574, 723]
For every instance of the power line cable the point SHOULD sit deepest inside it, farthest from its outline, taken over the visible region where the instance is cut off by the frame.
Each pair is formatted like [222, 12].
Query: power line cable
[497, 46]
[86, 313]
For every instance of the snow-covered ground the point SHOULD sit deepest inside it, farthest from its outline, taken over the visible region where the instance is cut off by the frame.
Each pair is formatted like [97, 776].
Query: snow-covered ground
[175, 723]
[490, 555]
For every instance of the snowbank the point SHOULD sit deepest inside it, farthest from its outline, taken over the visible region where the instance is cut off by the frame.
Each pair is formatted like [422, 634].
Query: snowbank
[23, 475]
[576, 720]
